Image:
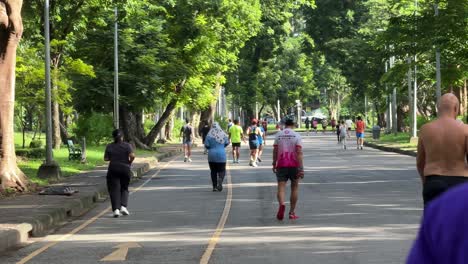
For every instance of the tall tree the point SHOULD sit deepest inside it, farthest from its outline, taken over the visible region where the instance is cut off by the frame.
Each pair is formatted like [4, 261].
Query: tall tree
[11, 30]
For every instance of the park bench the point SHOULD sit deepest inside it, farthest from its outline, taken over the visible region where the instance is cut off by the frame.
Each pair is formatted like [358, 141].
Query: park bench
[74, 153]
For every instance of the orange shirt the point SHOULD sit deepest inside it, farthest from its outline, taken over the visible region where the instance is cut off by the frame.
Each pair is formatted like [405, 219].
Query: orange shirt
[360, 126]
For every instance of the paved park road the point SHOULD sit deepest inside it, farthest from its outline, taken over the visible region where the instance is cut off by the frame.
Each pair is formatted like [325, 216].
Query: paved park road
[355, 207]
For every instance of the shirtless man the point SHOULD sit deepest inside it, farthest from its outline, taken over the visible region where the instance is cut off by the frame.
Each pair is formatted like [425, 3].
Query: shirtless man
[442, 148]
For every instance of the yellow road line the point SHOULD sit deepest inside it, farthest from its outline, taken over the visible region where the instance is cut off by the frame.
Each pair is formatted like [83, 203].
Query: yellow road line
[88, 222]
[222, 222]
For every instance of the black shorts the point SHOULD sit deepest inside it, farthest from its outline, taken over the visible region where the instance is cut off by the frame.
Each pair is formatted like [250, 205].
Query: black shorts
[254, 145]
[437, 185]
[285, 174]
[236, 145]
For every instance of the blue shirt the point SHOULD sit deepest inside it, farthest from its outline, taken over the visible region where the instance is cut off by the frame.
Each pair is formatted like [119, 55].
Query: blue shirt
[443, 237]
[216, 151]
[260, 138]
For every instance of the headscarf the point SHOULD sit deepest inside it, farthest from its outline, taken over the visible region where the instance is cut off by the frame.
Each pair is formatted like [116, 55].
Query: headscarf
[217, 133]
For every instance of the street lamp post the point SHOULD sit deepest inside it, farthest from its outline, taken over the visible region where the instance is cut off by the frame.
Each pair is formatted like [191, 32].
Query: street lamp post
[49, 169]
[438, 75]
[116, 70]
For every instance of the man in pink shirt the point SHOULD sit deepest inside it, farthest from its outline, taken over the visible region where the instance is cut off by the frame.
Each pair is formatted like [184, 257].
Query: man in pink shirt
[288, 165]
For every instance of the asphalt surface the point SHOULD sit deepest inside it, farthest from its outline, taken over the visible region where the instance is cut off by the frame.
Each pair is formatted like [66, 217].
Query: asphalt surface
[355, 206]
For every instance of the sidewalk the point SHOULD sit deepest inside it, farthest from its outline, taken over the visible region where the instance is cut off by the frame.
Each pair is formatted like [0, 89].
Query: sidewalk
[37, 215]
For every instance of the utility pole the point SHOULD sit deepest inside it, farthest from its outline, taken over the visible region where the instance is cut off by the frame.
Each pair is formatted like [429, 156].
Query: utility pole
[438, 75]
[415, 94]
[116, 70]
[410, 92]
[279, 111]
[49, 169]
[394, 102]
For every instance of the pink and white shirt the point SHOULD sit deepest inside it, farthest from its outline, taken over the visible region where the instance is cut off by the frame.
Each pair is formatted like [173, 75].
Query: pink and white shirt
[287, 141]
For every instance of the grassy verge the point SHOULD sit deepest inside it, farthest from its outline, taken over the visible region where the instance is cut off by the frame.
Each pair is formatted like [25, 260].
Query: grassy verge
[400, 140]
[94, 157]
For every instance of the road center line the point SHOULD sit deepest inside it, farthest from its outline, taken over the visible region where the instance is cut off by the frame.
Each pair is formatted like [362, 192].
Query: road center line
[222, 222]
[89, 221]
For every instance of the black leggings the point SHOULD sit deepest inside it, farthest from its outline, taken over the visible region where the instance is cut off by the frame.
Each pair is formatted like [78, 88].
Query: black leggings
[217, 169]
[117, 185]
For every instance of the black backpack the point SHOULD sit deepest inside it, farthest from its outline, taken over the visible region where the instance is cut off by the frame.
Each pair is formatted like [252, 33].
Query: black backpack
[187, 132]
[253, 133]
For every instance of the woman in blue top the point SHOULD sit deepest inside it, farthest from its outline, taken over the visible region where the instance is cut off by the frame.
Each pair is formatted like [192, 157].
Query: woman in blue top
[216, 141]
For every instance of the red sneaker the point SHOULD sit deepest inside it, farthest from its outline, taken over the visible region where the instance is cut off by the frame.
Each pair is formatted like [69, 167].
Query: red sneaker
[293, 216]
[280, 214]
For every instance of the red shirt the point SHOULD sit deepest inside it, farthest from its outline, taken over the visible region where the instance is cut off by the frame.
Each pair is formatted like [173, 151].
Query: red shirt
[360, 126]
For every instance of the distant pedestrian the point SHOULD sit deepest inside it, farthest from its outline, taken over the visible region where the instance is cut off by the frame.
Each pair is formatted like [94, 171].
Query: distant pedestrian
[261, 143]
[307, 125]
[324, 125]
[442, 150]
[349, 125]
[443, 235]
[265, 130]
[342, 135]
[253, 132]
[187, 140]
[216, 142]
[314, 124]
[333, 123]
[338, 131]
[360, 129]
[204, 132]
[121, 155]
[236, 135]
[229, 125]
[288, 165]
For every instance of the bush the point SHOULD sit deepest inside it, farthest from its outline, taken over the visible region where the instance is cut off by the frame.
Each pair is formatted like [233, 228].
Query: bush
[96, 127]
[36, 143]
[178, 124]
[421, 121]
[148, 125]
[31, 153]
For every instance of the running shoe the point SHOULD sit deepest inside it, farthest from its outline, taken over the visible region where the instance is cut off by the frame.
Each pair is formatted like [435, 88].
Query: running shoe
[185, 159]
[280, 214]
[254, 164]
[124, 210]
[259, 159]
[362, 147]
[219, 187]
[214, 189]
[189, 160]
[116, 213]
[293, 216]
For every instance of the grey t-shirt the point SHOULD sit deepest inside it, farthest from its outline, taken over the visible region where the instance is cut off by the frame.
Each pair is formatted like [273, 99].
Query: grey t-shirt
[118, 154]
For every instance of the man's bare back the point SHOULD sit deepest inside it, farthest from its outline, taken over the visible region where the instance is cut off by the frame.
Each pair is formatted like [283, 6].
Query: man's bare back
[444, 146]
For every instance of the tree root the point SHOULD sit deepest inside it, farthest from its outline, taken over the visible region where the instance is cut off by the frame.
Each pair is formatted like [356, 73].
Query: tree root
[13, 179]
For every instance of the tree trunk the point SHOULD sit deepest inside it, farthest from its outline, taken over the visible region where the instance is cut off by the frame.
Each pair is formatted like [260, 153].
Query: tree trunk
[11, 29]
[132, 128]
[153, 134]
[169, 127]
[56, 138]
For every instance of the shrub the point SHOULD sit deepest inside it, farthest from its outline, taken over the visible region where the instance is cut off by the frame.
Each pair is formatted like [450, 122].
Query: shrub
[36, 143]
[31, 153]
[421, 121]
[96, 127]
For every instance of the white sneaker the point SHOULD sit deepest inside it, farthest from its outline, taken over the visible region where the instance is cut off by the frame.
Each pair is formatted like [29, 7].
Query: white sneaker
[117, 213]
[124, 210]
[189, 160]
[254, 164]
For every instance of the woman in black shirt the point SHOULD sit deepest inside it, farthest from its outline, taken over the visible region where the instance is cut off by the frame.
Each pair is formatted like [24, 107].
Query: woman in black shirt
[121, 155]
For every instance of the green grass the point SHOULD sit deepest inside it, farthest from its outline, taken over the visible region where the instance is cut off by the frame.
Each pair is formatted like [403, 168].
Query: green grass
[400, 140]
[94, 156]
[28, 138]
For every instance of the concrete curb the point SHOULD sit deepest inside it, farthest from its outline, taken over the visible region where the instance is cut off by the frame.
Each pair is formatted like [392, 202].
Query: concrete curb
[43, 223]
[390, 149]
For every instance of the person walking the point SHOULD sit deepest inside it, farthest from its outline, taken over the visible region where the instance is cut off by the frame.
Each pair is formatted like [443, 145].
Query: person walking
[120, 155]
[265, 129]
[261, 143]
[338, 131]
[204, 132]
[253, 131]
[324, 125]
[307, 125]
[288, 165]
[342, 135]
[216, 142]
[349, 125]
[442, 150]
[236, 135]
[333, 123]
[186, 132]
[230, 124]
[314, 124]
[360, 129]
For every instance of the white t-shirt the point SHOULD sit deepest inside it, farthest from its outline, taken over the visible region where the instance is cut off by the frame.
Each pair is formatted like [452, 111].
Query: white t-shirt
[287, 141]
[349, 123]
